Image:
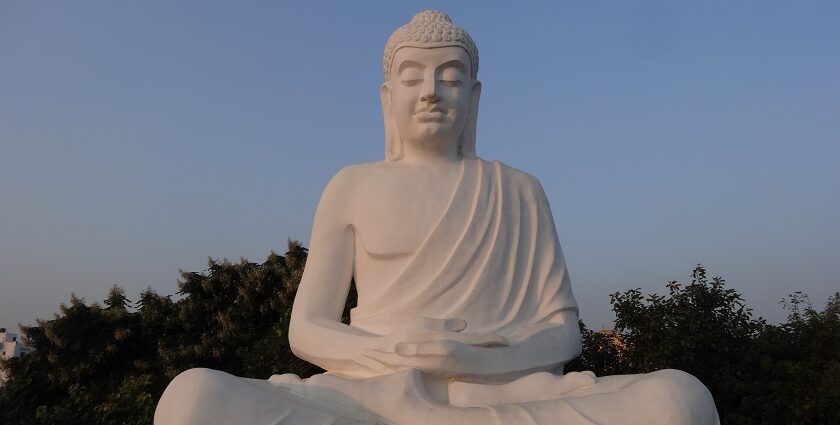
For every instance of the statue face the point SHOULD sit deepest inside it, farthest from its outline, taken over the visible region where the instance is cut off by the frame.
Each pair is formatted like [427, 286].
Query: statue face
[429, 92]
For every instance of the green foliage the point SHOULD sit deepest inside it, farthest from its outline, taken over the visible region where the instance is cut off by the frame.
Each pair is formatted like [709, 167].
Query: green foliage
[602, 352]
[109, 365]
[235, 318]
[131, 404]
[757, 373]
[799, 366]
[702, 328]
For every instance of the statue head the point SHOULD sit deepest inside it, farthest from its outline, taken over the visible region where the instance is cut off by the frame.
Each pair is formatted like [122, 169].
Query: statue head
[431, 90]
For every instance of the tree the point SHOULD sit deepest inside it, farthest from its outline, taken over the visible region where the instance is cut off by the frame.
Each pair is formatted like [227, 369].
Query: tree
[80, 357]
[602, 352]
[109, 365]
[799, 366]
[702, 328]
[757, 373]
[235, 318]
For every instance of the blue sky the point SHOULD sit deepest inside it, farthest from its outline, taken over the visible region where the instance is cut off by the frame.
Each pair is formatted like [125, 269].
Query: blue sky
[140, 138]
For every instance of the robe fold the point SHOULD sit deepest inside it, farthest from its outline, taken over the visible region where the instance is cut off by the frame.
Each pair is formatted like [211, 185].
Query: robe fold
[492, 259]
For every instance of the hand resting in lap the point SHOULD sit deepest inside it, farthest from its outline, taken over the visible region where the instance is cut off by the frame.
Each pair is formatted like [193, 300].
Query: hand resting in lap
[436, 346]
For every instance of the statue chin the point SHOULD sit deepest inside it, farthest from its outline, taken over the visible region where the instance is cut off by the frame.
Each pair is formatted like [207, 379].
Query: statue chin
[466, 316]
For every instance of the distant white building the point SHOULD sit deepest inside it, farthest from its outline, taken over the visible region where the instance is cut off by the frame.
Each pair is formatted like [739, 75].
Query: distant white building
[11, 346]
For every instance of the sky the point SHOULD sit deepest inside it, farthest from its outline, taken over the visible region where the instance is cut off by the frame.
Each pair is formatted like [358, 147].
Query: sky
[138, 139]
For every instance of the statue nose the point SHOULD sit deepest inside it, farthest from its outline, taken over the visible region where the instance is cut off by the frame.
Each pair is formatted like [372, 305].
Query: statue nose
[430, 97]
[430, 92]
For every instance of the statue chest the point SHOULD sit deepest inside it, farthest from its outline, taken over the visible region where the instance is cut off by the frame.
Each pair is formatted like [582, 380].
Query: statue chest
[396, 215]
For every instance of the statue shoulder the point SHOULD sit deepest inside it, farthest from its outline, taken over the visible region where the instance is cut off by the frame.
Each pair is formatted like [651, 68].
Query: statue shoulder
[355, 174]
[519, 178]
[364, 174]
[345, 185]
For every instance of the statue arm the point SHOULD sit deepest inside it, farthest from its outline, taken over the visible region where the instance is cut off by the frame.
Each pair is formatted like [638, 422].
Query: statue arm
[543, 346]
[316, 333]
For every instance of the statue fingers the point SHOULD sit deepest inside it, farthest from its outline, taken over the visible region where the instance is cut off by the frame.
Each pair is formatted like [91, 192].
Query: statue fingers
[454, 325]
[443, 325]
[427, 329]
[384, 357]
[433, 348]
[395, 361]
[487, 339]
[373, 364]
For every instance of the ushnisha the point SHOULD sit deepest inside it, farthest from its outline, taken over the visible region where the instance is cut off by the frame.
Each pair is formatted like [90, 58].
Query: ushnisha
[465, 309]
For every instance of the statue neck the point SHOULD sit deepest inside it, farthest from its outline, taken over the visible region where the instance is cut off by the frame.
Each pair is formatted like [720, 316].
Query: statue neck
[430, 152]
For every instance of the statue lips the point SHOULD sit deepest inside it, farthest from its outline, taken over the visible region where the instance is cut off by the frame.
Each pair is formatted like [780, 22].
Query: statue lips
[432, 114]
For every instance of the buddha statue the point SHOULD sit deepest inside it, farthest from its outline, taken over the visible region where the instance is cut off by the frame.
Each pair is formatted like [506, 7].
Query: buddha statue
[465, 308]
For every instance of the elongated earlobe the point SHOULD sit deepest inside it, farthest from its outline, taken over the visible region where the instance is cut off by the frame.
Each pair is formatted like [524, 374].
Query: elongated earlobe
[467, 141]
[393, 144]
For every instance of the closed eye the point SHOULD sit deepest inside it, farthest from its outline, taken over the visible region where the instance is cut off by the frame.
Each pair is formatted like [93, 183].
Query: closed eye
[411, 83]
[451, 83]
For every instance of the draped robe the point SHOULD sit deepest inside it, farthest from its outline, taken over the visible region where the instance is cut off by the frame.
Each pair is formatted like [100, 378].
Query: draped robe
[494, 260]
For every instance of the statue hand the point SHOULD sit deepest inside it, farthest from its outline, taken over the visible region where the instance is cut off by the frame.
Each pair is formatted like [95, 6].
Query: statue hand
[448, 358]
[426, 329]
[431, 345]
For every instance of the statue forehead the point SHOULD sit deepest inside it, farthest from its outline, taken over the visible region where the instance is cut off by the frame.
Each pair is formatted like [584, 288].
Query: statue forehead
[431, 56]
